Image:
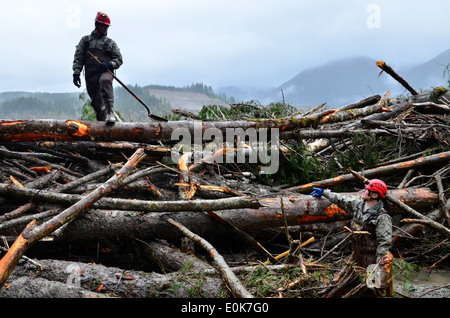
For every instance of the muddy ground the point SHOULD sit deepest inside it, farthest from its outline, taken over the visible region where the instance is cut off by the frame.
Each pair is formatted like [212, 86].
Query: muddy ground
[425, 284]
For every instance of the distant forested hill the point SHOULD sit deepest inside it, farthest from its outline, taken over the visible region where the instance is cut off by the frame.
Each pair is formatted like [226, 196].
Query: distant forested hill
[26, 105]
[346, 80]
[131, 109]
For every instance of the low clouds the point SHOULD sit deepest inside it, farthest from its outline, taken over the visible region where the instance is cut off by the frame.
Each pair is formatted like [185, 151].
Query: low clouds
[218, 42]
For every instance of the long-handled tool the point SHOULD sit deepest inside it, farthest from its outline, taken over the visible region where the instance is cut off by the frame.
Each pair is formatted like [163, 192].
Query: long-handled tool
[129, 91]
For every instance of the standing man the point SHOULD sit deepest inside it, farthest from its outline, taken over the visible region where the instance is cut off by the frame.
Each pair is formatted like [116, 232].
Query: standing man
[98, 79]
[368, 215]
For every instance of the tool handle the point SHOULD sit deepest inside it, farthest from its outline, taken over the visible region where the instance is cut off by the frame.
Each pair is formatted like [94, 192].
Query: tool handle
[129, 91]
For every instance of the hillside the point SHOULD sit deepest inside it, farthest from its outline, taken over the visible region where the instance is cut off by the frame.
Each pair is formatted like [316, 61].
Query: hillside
[185, 100]
[26, 105]
[428, 74]
[339, 82]
[336, 83]
[159, 99]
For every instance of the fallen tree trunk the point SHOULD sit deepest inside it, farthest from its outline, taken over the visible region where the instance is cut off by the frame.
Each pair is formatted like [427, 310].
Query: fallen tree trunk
[23, 194]
[38, 287]
[85, 279]
[342, 133]
[148, 132]
[108, 227]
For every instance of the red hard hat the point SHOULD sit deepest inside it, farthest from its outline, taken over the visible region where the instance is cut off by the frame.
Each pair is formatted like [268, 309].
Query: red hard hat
[376, 185]
[102, 18]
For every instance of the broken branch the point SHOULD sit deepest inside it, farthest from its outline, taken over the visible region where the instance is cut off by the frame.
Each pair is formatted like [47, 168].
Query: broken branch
[437, 226]
[439, 158]
[229, 277]
[390, 71]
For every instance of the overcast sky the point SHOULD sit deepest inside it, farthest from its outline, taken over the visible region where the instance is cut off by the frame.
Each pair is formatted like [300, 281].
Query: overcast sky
[217, 42]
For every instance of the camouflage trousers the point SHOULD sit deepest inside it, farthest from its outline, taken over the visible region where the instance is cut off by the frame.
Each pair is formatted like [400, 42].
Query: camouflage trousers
[101, 92]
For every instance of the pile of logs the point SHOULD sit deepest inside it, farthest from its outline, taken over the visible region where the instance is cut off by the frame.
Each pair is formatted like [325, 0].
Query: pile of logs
[75, 194]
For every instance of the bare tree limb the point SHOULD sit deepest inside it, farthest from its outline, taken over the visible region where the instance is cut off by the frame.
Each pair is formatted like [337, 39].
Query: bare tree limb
[229, 277]
[379, 171]
[390, 71]
[435, 225]
[130, 205]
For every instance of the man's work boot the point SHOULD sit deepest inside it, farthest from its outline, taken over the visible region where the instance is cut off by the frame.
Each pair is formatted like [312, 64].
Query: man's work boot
[101, 115]
[110, 118]
[109, 109]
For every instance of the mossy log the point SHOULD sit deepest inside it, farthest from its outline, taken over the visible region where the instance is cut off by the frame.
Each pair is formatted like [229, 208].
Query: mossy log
[152, 132]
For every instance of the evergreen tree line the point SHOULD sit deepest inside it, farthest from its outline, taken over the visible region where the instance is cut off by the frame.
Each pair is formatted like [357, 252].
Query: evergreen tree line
[131, 109]
[40, 106]
[24, 105]
[196, 88]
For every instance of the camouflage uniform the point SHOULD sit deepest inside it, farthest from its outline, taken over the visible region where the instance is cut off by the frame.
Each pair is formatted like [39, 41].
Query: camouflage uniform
[373, 248]
[98, 83]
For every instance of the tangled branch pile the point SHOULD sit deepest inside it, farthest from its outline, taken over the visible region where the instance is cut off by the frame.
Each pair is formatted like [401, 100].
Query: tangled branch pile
[75, 195]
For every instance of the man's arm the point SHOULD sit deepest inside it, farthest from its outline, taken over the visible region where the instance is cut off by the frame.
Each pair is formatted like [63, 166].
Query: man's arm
[116, 56]
[78, 59]
[348, 203]
[384, 235]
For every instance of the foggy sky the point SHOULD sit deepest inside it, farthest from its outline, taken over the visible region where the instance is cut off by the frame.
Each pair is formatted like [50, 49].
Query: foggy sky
[217, 42]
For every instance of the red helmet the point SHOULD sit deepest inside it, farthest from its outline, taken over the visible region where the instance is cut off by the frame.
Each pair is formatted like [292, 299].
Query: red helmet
[102, 18]
[378, 186]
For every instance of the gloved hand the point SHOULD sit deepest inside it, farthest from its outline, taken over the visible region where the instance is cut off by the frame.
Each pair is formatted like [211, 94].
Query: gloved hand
[317, 192]
[105, 66]
[76, 80]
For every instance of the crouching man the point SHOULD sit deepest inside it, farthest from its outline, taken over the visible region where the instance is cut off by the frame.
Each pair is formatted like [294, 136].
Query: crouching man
[368, 215]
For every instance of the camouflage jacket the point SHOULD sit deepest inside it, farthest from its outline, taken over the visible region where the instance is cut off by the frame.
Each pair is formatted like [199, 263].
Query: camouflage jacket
[355, 206]
[98, 42]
